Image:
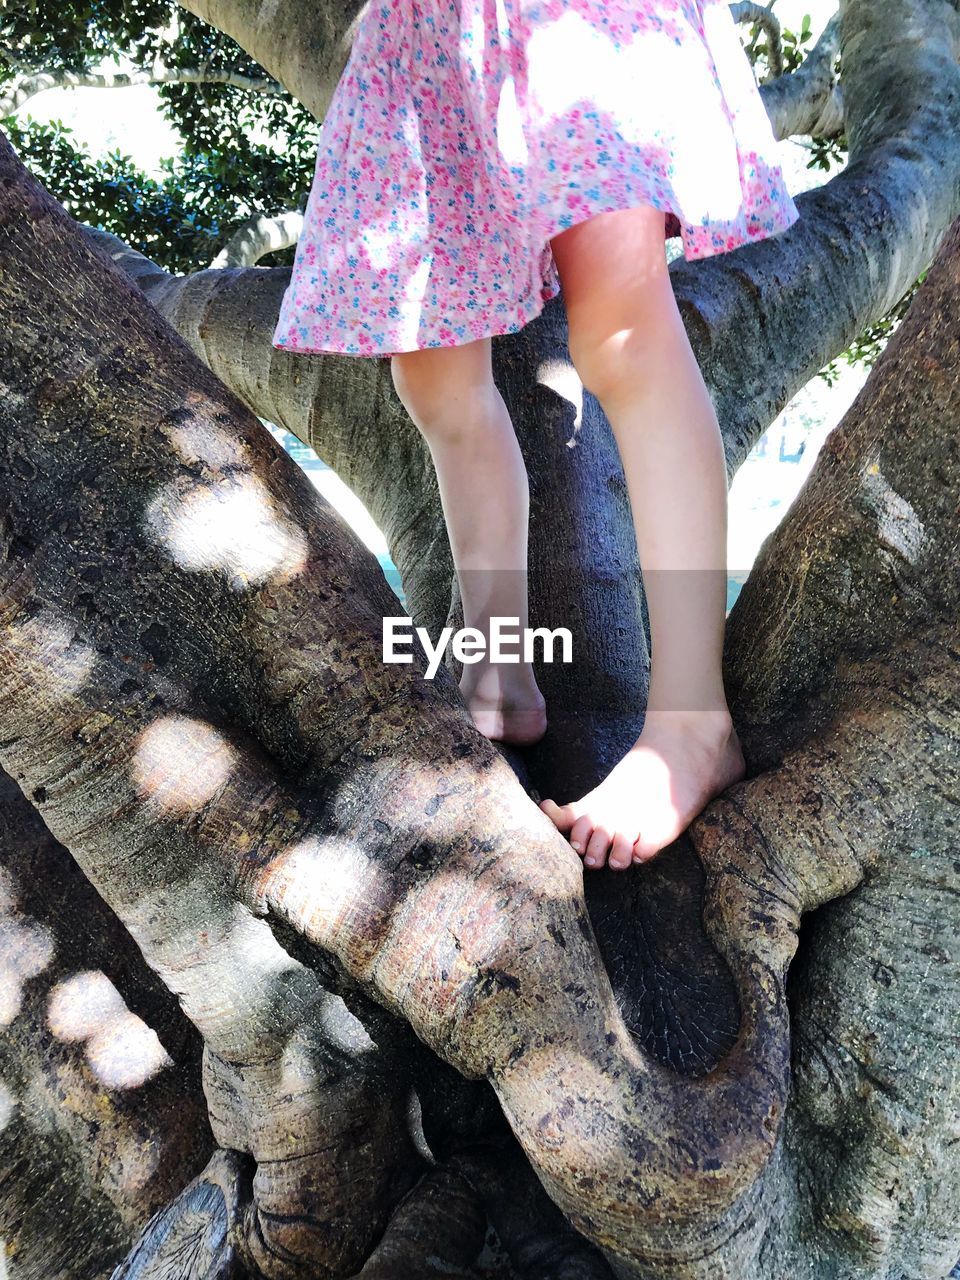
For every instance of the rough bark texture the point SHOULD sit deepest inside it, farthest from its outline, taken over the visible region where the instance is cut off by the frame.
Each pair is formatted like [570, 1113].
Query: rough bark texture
[306, 46]
[873, 544]
[411, 859]
[101, 1113]
[196, 518]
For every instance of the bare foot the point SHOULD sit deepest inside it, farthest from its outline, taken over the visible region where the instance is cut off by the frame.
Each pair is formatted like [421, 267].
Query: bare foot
[678, 764]
[505, 703]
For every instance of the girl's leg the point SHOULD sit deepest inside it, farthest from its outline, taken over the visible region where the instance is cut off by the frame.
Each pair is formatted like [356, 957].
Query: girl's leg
[450, 394]
[630, 349]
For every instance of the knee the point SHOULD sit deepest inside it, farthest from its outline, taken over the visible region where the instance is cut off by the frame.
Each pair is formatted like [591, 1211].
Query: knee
[605, 360]
[611, 351]
[442, 408]
[415, 388]
[427, 397]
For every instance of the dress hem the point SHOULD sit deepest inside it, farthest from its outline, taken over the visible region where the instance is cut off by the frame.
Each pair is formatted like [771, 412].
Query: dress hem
[785, 218]
[514, 326]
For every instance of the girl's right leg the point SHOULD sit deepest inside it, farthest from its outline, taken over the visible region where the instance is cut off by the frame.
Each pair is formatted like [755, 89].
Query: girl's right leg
[450, 395]
[629, 346]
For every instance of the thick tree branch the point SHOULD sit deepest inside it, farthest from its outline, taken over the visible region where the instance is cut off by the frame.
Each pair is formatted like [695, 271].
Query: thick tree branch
[288, 658]
[422, 869]
[103, 1117]
[808, 101]
[306, 783]
[200, 1234]
[304, 47]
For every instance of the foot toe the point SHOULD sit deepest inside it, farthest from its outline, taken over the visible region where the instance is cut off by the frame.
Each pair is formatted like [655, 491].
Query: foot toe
[597, 846]
[644, 850]
[561, 815]
[580, 834]
[621, 852]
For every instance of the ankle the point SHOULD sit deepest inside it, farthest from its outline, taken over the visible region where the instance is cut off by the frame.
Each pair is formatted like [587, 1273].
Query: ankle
[500, 683]
[709, 724]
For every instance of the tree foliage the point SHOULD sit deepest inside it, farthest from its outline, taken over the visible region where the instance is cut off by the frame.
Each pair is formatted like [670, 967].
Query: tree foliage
[242, 152]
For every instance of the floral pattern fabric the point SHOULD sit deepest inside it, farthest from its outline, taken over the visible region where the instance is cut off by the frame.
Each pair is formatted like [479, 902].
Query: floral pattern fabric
[464, 134]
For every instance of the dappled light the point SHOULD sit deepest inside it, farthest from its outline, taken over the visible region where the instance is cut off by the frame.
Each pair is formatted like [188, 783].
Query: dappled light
[180, 763]
[139, 1162]
[233, 806]
[317, 879]
[899, 526]
[233, 526]
[126, 1053]
[198, 441]
[335, 889]
[81, 1006]
[25, 951]
[121, 1050]
[227, 961]
[298, 1059]
[8, 1104]
[325, 881]
[562, 378]
[510, 136]
[48, 646]
[453, 924]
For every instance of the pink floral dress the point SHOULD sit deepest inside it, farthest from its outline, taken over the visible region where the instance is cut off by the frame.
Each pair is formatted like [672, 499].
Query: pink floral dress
[463, 134]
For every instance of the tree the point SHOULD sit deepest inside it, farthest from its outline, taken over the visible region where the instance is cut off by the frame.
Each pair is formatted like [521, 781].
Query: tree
[352, 894]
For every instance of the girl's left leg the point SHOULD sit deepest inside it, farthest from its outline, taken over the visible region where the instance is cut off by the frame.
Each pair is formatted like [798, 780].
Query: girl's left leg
[629, 346]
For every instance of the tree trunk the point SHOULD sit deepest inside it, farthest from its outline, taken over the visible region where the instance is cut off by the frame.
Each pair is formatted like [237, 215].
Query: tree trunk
[424, 874]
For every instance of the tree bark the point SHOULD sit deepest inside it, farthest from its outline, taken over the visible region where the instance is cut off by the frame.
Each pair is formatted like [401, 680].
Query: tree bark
[257, 237]
[101, 1112]
[305, 48]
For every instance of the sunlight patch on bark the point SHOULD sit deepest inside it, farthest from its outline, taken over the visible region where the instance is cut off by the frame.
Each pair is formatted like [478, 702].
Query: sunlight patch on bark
[47, 651]
[899, 525]
[25, 951]
[562, 378]
[8, 1105]
[121, 1050]
[232, 526]
[197, 441]
[180, 763]
[319, 880]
